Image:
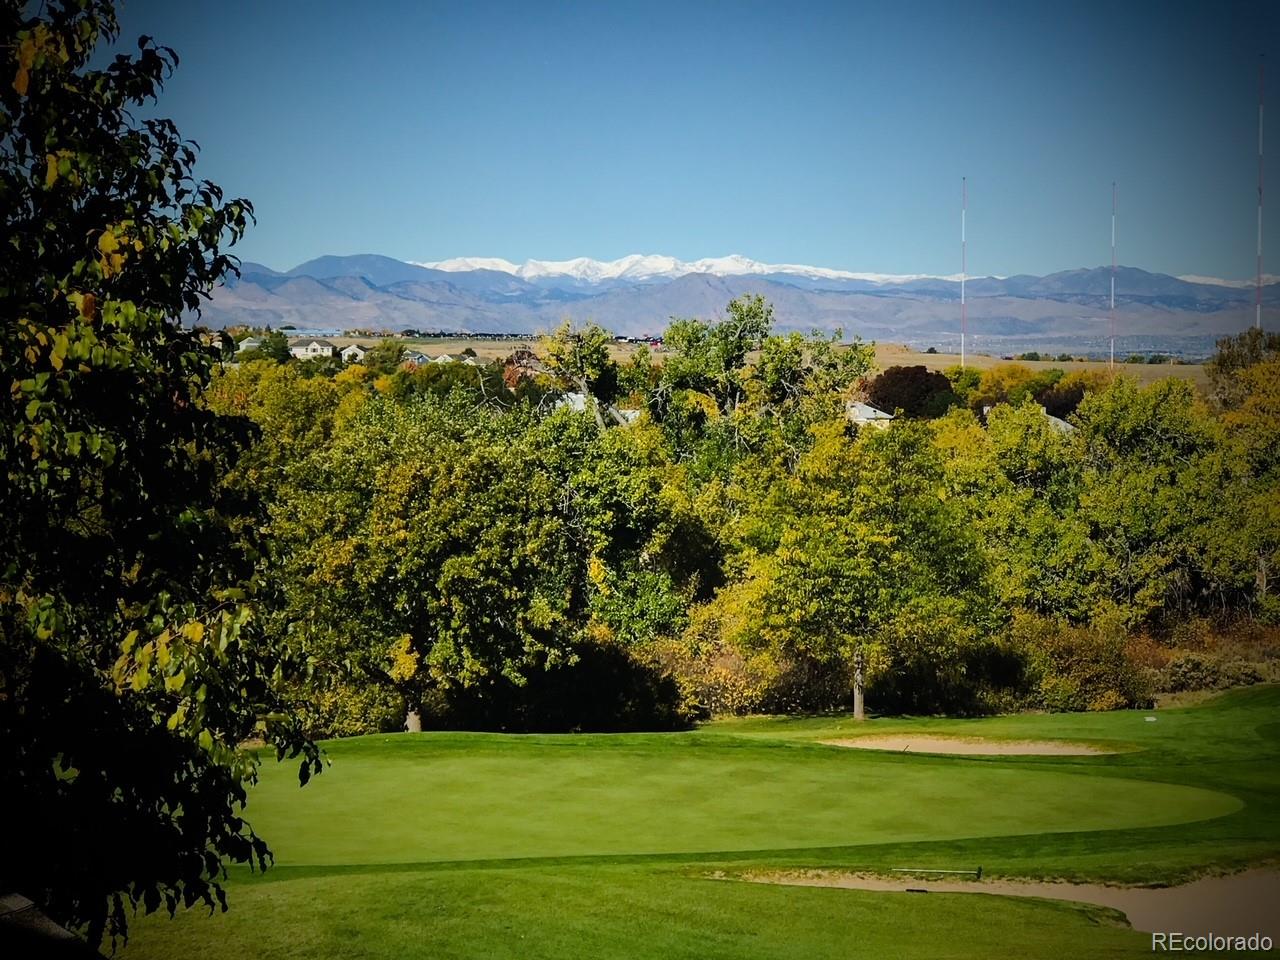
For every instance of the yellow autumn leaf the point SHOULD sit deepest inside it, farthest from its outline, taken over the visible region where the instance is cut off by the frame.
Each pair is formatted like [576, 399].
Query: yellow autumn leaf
[107, 243]
[51, 170]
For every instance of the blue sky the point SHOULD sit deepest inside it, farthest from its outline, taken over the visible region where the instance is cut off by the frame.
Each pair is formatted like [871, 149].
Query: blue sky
[833, 134]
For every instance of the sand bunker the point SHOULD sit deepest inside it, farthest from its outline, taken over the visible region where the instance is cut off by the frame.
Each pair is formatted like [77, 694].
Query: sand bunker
[1238, 905]
[971, 746]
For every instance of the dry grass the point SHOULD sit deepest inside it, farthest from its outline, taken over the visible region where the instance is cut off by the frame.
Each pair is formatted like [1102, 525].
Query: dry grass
[893, 354]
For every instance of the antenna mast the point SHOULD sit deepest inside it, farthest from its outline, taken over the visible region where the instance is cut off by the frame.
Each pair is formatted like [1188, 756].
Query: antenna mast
[1257, 307]
[1113, 274]
[964, 265]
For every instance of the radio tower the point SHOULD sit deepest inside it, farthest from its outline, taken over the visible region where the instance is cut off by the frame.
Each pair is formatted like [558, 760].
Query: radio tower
[1257, 307]
[964, 264]
[1113, 274]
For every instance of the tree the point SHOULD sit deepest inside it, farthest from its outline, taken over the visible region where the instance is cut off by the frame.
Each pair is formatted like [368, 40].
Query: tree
[1234, 355]
[1155, 482]
[431, 547]
[717, 403]
[275, 346]
[131, 666]
[709, 358]
[1061, 399]
[852, 555]
[384, 357]
[916, 391]
[579, 358]
[964, 381]
[1010, 383]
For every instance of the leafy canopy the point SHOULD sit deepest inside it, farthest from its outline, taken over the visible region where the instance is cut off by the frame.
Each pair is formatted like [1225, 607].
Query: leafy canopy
[131, 667]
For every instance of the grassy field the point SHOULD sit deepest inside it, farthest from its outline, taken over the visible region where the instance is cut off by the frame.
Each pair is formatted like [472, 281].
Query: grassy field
[598, 846]
[892, 354]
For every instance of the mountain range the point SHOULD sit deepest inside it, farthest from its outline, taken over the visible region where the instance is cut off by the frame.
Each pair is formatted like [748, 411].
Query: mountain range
[637, 295]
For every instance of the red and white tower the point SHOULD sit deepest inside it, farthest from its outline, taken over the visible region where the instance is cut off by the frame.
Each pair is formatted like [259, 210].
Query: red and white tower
[964, 266]
[1113, 273]
[1257, 304]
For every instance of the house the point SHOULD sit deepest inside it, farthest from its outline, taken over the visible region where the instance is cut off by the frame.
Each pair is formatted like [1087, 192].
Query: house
[521, 365]
[310, 349]
[860, 413]
[472, 362]
[414, 358]
[1059, 424]
[577, 402]
[444, 358]
[249, 343]
[354, 353]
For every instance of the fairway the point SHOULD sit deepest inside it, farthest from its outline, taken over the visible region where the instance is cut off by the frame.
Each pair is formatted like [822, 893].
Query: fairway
[430, 797]
[456, 845]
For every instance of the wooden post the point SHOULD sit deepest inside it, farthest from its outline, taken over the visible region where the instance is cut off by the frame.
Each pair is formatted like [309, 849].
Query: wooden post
[859, 711]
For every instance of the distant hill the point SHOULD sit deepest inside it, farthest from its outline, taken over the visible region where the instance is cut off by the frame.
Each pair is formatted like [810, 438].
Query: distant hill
[639, 295]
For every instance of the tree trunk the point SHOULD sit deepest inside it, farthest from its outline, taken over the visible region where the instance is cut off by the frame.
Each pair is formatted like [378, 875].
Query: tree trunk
[413, 721]
[859, 709]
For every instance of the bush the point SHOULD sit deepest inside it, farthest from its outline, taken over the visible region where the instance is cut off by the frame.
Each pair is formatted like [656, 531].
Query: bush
[1198, 671]
[1079, 668]
[981, 679]
[349, 708]
[717, 680]
[604, 688]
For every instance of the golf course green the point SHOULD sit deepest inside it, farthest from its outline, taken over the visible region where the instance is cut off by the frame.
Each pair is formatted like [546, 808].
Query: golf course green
[481, 845]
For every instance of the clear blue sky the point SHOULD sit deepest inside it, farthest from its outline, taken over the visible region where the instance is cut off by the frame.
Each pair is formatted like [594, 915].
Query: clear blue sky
[832, 134]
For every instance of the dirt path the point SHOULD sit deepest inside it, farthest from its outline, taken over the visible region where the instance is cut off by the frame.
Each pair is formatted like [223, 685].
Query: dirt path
[971, 747]
[1241, 904]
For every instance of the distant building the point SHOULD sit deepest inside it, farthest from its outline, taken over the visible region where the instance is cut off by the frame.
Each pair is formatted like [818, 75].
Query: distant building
[523, 364]
[1059, 424]
[414, 358]
[249, 343]
[860, 413]
[354, 353]
[310, 348]
[444, 358]
[577, 402]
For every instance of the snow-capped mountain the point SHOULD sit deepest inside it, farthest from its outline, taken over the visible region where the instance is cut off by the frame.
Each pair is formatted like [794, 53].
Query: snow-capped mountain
[639, 295]
[1267, 279]
[658, 266]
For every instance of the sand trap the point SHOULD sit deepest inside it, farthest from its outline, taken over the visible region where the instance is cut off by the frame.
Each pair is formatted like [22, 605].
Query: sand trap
[972, 746]
[1238, 905]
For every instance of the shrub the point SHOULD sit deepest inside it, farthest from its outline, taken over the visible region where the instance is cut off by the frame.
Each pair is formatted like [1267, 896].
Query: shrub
[715, 679]
[1198, 671]
[348, 708]
[603, 687]
[1079, 668]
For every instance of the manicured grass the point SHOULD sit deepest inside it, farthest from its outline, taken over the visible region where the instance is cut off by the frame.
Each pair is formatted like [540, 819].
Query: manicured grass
[469, 845]
[479, 797]
[612, 912]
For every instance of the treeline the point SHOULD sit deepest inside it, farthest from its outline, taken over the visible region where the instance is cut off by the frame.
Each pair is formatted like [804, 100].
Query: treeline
[712, 533]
